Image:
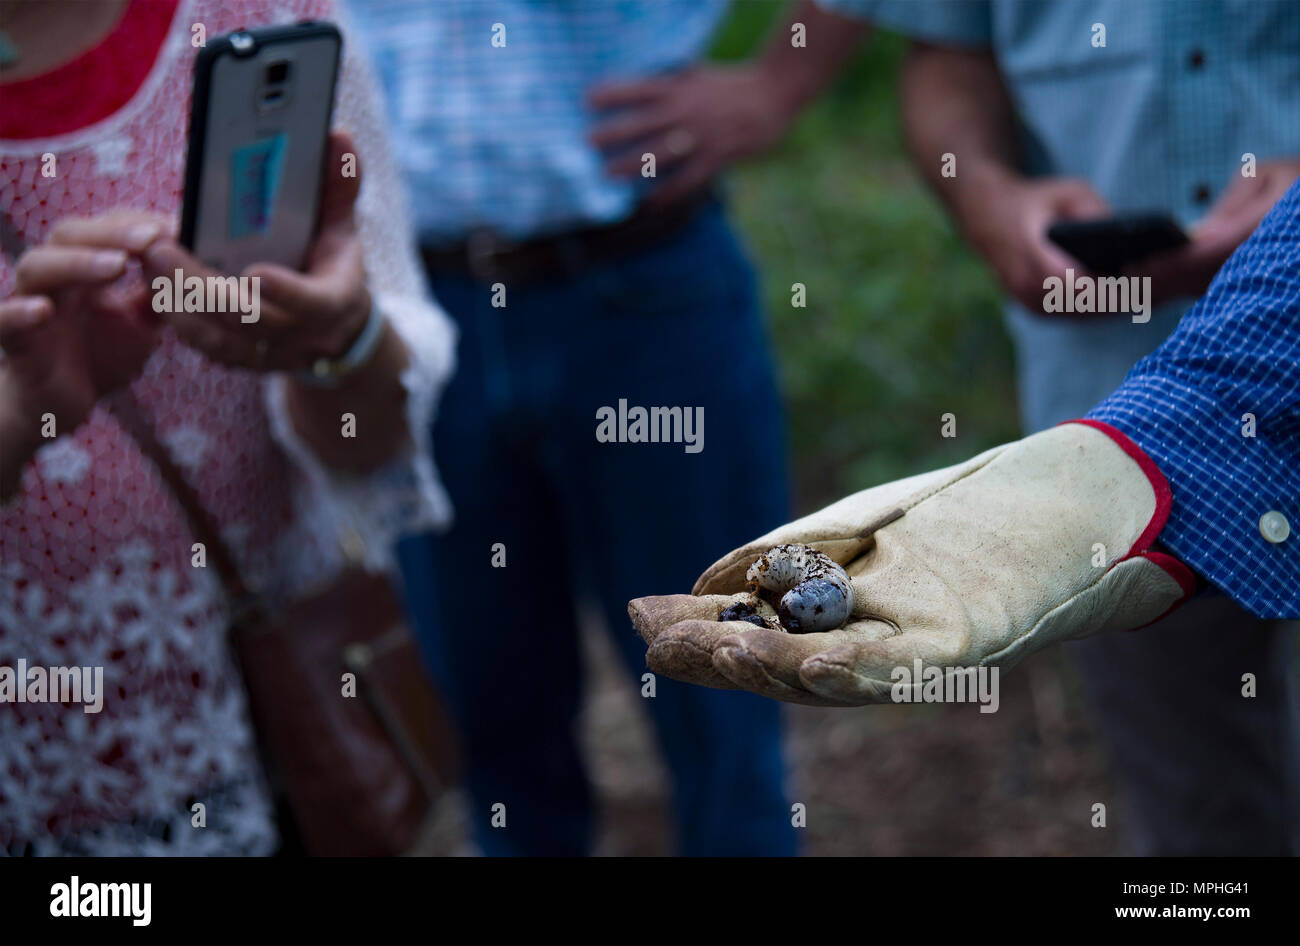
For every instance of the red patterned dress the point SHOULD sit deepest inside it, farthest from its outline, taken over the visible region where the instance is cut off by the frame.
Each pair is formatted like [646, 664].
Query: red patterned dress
[95, 557]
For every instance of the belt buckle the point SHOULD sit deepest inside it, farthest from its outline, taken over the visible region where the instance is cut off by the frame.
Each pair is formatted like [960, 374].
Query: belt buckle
[482, 247]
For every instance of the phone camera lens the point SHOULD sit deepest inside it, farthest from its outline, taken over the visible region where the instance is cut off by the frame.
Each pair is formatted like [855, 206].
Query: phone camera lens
[277, 73]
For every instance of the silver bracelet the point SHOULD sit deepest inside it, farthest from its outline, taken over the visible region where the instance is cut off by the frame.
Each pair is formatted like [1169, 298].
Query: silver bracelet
[330, 372]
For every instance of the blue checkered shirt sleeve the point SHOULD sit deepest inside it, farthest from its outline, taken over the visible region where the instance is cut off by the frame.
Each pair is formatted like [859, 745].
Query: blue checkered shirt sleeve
[1217, 407]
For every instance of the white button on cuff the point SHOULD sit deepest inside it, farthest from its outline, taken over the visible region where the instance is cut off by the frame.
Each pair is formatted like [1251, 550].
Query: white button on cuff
[1274, 527]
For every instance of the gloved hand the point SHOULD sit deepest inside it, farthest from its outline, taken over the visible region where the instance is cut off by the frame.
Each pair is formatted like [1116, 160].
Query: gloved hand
[979, 564]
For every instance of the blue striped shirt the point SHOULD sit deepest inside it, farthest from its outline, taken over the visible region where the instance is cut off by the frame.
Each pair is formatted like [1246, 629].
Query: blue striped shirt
[1233, 360]
[495, 136]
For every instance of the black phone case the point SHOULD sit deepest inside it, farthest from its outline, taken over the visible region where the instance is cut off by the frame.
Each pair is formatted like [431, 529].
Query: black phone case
[1107, 246]
[203, 63]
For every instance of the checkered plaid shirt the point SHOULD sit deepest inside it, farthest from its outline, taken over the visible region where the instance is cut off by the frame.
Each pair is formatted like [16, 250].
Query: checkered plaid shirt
[496, 135]
[1217, 407]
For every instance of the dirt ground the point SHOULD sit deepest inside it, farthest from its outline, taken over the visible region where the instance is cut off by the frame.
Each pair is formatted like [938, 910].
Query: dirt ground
[883, 780]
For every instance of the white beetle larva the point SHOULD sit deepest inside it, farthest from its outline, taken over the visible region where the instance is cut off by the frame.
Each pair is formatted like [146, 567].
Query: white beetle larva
[812, 591]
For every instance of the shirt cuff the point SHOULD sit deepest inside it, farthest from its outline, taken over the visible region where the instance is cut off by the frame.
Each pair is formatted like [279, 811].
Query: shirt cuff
[1224, 480]
[369, 513]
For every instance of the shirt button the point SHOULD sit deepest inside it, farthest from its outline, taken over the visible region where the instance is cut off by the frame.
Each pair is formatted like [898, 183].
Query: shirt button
[352, 546]
[1201, 193]
[1274, 527]
[1196, 59]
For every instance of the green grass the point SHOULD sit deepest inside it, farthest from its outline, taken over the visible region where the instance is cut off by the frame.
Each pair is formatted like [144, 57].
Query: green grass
[902, 322]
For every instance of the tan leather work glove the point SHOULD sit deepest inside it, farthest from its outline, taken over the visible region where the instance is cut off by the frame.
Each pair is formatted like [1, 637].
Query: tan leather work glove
[979, 564]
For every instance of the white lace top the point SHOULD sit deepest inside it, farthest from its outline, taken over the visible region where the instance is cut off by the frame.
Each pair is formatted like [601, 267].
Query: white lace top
[95, 557]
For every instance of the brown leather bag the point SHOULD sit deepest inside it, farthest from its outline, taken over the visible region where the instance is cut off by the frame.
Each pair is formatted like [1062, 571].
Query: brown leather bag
[360, 773]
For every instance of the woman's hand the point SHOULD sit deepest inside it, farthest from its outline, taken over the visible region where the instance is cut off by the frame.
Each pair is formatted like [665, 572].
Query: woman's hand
[71, 332]
[303, 316]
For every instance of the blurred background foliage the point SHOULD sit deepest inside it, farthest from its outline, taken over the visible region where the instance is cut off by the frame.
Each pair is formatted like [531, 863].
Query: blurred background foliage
[902, 323]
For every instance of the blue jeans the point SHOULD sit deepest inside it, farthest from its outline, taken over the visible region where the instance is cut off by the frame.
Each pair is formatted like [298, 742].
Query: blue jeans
[675, 325]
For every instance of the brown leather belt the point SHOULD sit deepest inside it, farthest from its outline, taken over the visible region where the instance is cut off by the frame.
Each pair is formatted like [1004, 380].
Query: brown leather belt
[488, 257]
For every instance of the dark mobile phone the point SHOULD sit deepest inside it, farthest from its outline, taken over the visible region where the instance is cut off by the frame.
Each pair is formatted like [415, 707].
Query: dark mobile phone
[259, 129]
[1106, 246]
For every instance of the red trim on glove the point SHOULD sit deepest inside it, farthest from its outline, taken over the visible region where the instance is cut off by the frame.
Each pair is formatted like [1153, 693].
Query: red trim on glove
[1176, 570]
[1185, 577]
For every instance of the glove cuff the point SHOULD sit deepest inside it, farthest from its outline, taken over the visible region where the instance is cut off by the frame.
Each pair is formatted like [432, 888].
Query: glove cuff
[1142, 548]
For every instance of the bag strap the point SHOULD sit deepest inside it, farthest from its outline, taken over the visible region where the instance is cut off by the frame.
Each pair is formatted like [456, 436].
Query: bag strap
[246, 608]
[123, 405]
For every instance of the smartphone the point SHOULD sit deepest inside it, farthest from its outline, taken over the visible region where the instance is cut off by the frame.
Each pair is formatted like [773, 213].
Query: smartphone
[259, 129]
[1106, 246]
